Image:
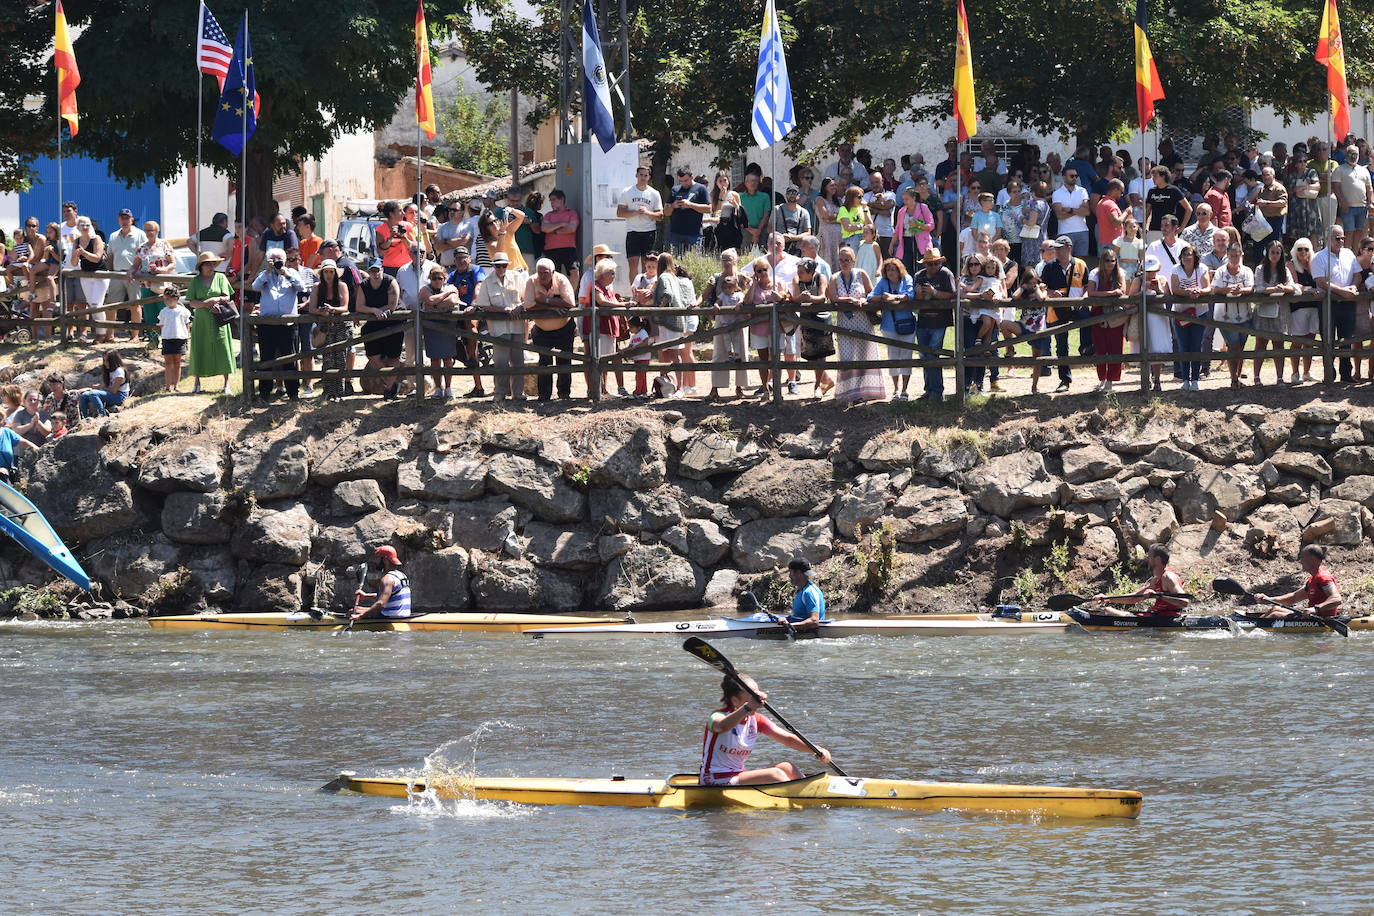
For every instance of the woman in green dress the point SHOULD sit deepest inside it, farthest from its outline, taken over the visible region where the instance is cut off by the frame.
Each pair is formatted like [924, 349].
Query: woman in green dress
[212, 344]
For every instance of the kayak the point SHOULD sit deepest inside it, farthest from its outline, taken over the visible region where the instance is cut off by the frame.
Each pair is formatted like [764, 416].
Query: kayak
[751, 628]
[21, 520]
[682, 792]
[1104, 622]
[302, 620]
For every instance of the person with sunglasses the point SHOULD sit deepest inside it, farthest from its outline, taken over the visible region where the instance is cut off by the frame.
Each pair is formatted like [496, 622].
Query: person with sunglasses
[1071, 207]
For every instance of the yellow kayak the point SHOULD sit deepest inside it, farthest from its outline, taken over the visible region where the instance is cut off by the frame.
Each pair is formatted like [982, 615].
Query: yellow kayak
[301, 620]
[682, 792]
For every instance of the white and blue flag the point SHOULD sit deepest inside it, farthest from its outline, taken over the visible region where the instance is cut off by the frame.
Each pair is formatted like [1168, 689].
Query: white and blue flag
[773, 117]
[596, 91]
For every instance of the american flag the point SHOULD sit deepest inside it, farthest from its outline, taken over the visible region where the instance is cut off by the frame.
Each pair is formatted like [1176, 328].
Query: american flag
[213, 51]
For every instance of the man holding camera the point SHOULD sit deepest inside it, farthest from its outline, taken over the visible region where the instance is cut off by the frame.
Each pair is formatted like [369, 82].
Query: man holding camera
[279, 287]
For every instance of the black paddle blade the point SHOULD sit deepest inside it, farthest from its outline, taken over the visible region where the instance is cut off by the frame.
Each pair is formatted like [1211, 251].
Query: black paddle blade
[1064, 602]
[1227, 586]
[1337, 625]
[708, 653]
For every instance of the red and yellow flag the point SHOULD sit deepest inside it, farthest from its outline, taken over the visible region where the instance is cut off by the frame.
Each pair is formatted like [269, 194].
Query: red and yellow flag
[1148, 88]
[424, 95]
[68, 77]
[965, 106]
[1331, 51]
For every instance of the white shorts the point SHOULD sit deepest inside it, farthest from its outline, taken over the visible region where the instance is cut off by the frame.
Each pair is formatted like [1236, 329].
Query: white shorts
[607, 344]
[667, 339]
[1305, 322]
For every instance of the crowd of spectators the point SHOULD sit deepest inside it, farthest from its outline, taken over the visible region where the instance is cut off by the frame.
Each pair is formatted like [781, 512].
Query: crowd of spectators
[858, 245]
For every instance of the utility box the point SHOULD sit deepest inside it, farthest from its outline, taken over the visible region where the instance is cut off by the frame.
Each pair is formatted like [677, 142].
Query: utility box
[593, 180]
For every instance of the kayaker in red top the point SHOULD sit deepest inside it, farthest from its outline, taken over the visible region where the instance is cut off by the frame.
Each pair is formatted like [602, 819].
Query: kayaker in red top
[730, 737]
[1162, 579]
[1320, 590]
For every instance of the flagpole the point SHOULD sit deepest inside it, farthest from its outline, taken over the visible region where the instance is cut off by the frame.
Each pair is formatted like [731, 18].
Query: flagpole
[1328, 360]
[1144, 336]
[959, 382]
[194, 229]
[60, 305]
[245, 330]
[419, 255]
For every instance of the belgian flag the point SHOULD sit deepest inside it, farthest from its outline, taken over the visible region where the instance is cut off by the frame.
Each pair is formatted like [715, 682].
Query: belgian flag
[1148, 88]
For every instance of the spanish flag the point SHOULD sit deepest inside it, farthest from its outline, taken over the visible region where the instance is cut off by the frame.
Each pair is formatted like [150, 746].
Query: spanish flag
[965, 106]
[1148, 88]
[1331, 51]
[424, 95]
[68, 77]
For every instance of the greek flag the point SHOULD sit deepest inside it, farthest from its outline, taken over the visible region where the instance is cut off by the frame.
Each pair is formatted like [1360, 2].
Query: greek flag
[596, 91]
[773, 117]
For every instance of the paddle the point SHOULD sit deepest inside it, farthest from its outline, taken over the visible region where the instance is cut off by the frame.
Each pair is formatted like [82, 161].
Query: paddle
[357, 593]
[1064, 602]
[759, 608]
[711, 656]
[1227, 586]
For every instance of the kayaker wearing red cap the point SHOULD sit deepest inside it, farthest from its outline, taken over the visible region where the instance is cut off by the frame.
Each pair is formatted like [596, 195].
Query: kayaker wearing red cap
[1320, 591]
[392, 598]
[730, 737]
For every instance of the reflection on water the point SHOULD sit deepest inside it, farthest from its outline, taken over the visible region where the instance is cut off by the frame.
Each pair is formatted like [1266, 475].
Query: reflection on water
[175, 773]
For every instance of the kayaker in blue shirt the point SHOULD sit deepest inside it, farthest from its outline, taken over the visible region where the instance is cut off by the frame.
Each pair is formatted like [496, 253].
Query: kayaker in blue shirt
[392, 598]
[808, 607]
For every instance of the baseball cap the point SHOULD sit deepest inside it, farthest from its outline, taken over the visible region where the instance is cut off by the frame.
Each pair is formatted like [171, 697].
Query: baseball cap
[1063, 242]
[801, 564]
[374, 264]
[387, 551]
[793, 189]
[126, 212]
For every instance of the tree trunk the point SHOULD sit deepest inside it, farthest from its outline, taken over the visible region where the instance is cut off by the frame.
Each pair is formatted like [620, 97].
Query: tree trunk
[258, 193]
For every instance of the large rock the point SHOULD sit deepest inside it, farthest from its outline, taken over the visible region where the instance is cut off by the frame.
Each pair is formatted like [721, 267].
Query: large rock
[342, 545]
[1353, 459]
[1169, 457]
[270, 587]
[356, 497]
[1013, 482]
[275, 537]
[1348, 530]
[439, 580]
[518, 585]
[1322, 413]
[634, 458]
[433, 475]
[633, 511]
[949, 461]
[1303, 464]
[1227, 442]
[77, 494]
[1127, 441]
[1279, 524]
[1272, 434]
[1201, 493]
[652, 578]
[271, 470]
[1088, 463]
[214, 572]
[1325, 437]
[710, 453]
[784, 486]
[1149, 520]
[130, 566]
[890, 452]
[699, 540]
[1201, 548]
[1098, 491]
[556, 545]
[927, 513]
[761, 545]
[862, 504]
[488, 524]
[190, 464]
[353, 457]
[194, 518]
[806, 444]
[537, 487]
[720, 590]
[1356, 487]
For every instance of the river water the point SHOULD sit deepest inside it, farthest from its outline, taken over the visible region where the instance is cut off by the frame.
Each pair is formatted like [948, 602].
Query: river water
[147, 771]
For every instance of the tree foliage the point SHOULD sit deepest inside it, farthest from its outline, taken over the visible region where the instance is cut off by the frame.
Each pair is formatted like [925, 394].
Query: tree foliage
[470, 139]
[321, 72]
[1064, 67]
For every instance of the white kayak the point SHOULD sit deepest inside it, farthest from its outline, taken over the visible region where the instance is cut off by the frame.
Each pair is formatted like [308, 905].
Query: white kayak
[752, 628]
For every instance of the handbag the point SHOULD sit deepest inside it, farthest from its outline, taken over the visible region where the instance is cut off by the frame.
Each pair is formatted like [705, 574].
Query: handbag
[904, 323]
[317, 338]
[1256, 226]
[225, 313]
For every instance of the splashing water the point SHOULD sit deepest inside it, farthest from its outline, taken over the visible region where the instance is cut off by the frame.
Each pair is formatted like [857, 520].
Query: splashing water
[448, 776]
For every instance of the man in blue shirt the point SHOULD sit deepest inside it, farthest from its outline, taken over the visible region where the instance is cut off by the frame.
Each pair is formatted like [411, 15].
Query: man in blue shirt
[279, 287]
[808, 607]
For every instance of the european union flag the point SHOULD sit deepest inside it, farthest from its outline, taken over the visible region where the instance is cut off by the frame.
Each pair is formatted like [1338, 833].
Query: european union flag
[236, 117]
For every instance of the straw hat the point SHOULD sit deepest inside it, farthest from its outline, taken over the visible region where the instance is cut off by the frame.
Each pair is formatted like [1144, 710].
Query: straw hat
[207, 257]
[599, 251]
[932, 256]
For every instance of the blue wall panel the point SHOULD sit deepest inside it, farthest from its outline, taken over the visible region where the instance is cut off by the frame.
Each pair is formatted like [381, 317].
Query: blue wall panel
[97, 194]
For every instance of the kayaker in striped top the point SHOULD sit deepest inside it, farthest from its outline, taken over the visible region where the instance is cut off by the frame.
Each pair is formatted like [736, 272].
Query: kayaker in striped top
[808, 606]
[730, 737]
[1162, 579]
[392, 598]
[1320, 591]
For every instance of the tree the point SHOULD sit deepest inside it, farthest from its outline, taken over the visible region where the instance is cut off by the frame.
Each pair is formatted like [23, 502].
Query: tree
[320, 72]
[470, 138]
[1059, 66]
[26, 34]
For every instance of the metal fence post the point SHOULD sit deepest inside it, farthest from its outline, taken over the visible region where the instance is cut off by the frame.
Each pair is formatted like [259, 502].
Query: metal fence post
[246, 351]
[419, 353]
[1328, 345]
[594, 344]
[960, 385]
[1143, 337]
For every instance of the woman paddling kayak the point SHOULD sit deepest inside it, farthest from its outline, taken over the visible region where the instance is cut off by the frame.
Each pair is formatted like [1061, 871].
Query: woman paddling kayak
[730, 737]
